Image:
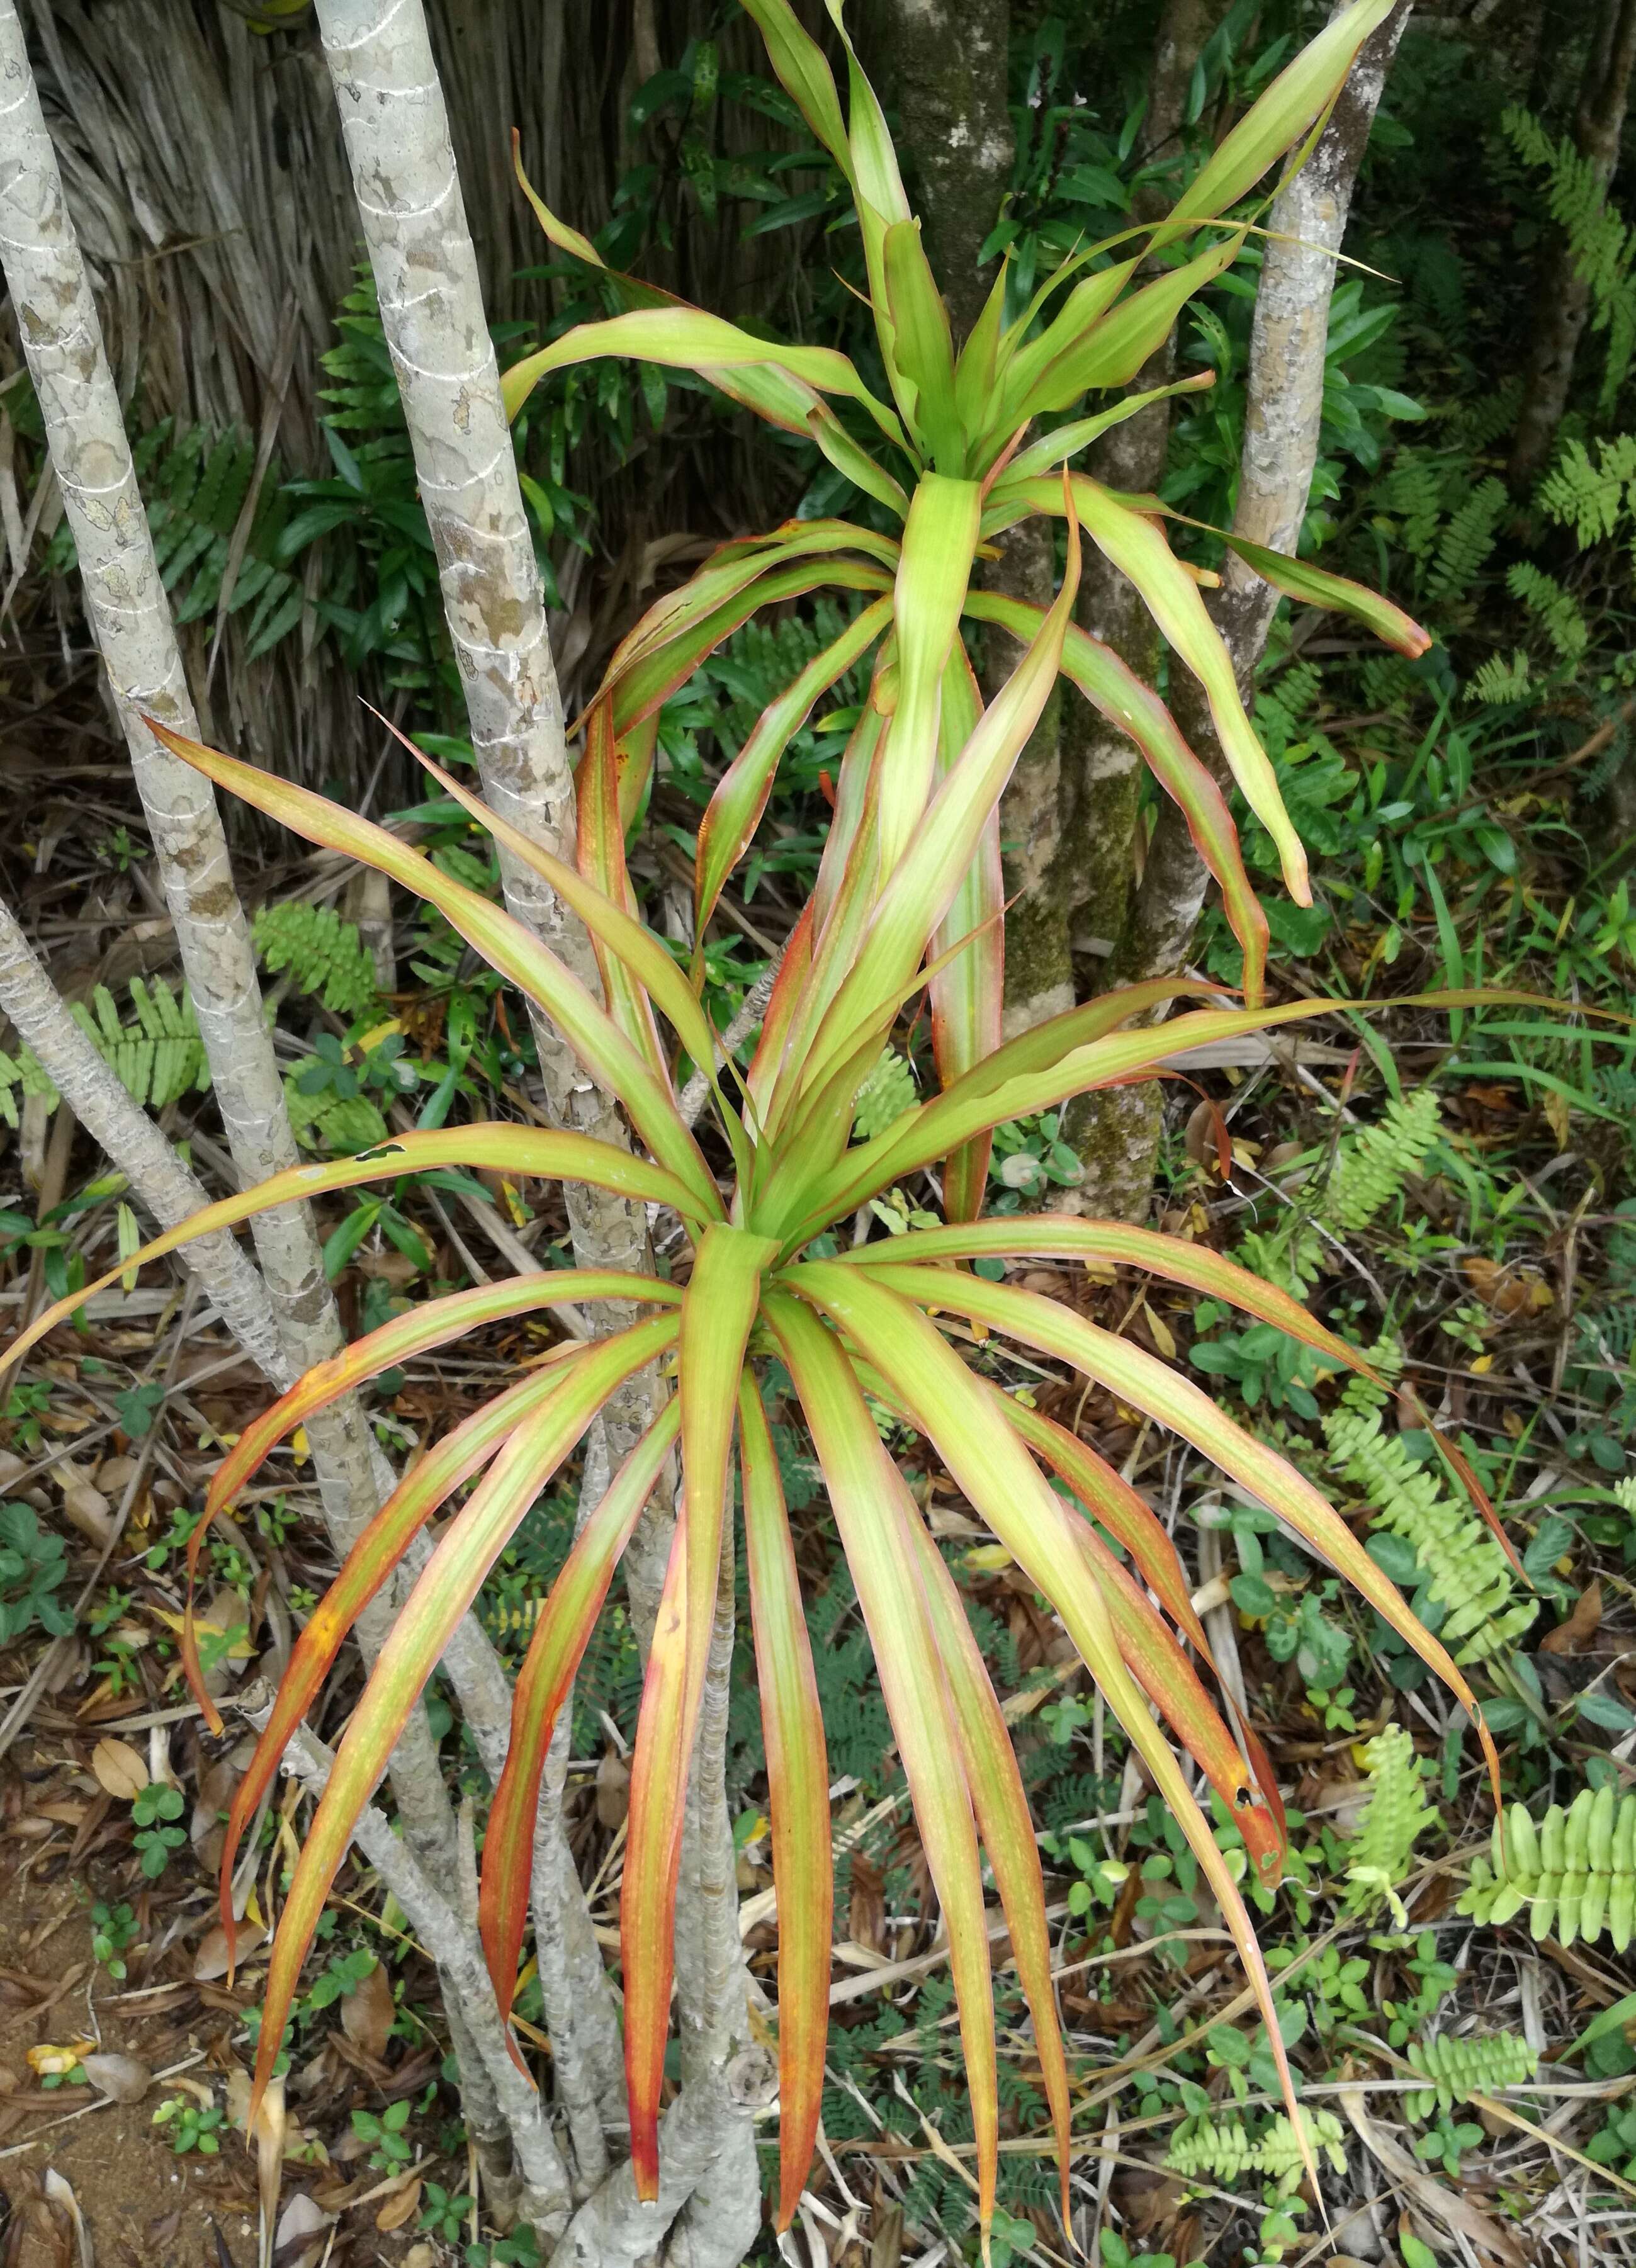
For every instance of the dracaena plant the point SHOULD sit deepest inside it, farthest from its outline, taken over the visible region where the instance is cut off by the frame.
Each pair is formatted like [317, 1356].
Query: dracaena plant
[950, 466]
[882, 1326]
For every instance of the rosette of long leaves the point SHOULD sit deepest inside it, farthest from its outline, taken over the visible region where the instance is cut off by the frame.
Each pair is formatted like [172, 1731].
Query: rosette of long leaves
[948, 464]
[887, 1323]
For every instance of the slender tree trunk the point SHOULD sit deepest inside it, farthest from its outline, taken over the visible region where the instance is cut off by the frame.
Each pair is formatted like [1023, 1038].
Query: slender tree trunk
[420, 249]
[1562, 297]
[1089, 889]
[161, 1183]
[1117, 1131]
[131, 617]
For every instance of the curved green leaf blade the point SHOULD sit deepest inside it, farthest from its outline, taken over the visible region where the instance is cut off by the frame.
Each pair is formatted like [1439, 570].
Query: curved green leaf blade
[517, 1150]
[555, 1652]
[503, 941]
[862, 1482]
[446, 1588]
[797, 1782]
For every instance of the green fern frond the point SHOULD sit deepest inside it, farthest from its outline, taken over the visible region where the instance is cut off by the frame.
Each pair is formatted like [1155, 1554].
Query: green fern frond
[1208, 2149]
[885, 1095]
[1467, 539]
[1466, 1570]
[1500, 683]
[325, 956]
[1576, 1870]
[1460, 2068]
[342, 1125]
[1398, 1814]
[1370, 1171]
[1592, 499]
[1556, 610]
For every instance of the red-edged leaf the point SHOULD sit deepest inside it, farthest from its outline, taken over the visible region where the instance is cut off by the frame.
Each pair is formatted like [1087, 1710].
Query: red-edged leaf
[422, 1490]
[433, 1323]
[863, 1485]
[1114, 689]
[718, 1310]
[967, 994]
[1003, 1820]
[502, 940]
[999, 1479]
[515, 1150]
[449, 1583]
[797, 1784]
[560, 1641]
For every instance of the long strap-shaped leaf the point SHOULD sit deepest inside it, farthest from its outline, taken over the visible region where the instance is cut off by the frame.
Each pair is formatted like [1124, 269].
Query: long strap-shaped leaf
[1063, 1236]
[447, 1586]
[432, 1324]
[621, 940]
[1298, 96]
[861, 1481]
[642, 689]
[939, 542]
[1142, 1381]
[1115, 690]
[1111, 350]
[718, 1311]
[515, 1150]
[776, 394]
[735, 808]
[422, 1492]
[686, 338]
[1135, 543]
[919, 886]
[727, 575]
[998, 1477]
[555, 1652]
[502, 940]
[1049, 1060]
[1002, 1814]
[798, 1788]
[599, 857]
[967, 994]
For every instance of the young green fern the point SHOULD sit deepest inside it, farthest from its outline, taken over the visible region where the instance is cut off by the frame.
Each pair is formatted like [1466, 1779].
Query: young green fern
[157, 1059]
[1369, 1173]
[1396, 1816]
[1556, 611]
[1457, 2069]
[1602, 249]
[1592, 499]
[1466, 1570]
[324, 954]
[1576, 1869]
[885, 1095]
[1208, 2149]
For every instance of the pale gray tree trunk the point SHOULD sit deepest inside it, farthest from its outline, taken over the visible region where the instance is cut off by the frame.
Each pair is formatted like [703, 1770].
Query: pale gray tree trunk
[161, 1183]
[1117, 1131]
[130, 618]
[397, 140]
[1562, 302]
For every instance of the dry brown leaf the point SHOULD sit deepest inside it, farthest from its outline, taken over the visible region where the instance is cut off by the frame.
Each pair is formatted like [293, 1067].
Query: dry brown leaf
[210, 1960]
[85, 1504]
[398, 2211]
[367, 2015]
[1575, 1635]
[122, 1770]
[612, 1791]
[302, 2228]
[121, 2077]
